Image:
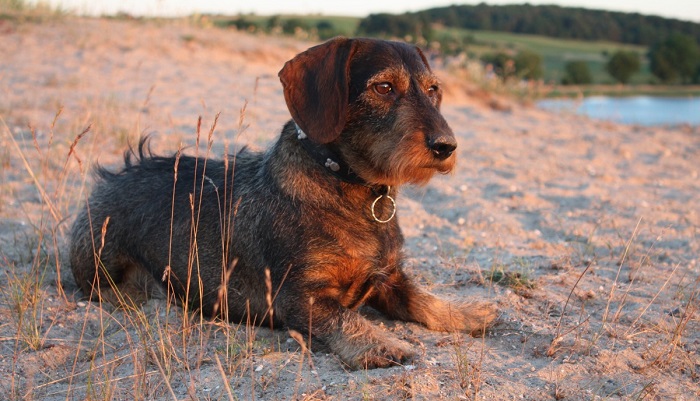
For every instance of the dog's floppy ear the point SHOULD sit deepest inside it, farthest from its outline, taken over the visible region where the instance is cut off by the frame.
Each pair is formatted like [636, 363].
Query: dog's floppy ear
[422, 56]
[316, 89]
[427, 65]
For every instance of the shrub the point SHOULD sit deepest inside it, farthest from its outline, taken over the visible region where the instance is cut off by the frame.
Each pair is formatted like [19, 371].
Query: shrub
[675, 58]
[528, 65]
[622, 65]
[576, 73]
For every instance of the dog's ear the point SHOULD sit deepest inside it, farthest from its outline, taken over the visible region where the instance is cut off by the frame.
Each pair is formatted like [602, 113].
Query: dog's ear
[316, 89]
[422, 56]
[427, 65]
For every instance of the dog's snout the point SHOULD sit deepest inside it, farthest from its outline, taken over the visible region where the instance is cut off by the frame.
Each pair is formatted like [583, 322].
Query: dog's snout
[442, 146]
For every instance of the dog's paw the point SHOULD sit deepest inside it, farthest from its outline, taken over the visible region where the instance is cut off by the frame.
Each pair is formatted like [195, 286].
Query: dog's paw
[371, 349]
[386, 354]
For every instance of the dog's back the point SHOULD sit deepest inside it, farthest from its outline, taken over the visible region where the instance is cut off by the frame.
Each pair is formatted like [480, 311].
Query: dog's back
[164, 218]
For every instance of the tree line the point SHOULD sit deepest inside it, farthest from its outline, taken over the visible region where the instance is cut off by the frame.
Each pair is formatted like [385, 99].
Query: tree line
[548, 20]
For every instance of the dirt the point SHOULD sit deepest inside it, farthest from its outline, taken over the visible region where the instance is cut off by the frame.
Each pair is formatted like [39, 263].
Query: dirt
[585, 234]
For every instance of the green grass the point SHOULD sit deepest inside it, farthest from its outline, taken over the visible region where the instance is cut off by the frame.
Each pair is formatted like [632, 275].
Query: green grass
[555, 52]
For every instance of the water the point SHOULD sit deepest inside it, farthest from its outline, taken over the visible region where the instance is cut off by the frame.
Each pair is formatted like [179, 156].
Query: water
[641, 110]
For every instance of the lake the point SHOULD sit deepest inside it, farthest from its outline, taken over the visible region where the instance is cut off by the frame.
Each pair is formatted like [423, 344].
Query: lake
[642, 110]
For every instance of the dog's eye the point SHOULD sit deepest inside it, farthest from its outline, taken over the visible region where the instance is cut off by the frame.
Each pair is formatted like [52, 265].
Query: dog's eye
[432, 91]
[383, 88]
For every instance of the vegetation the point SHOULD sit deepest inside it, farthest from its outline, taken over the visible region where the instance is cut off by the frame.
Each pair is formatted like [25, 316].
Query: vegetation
[408, 26]
[525, 65]
[555, 53]
[577, 73]
[500, 64]
[677, 58]
[321, 27]
[553, 21]
[622, 65]
[22, 10]
[11, 5]
[529, 65]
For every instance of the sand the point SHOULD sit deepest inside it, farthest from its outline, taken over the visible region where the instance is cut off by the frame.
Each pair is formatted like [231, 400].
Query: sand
[591, 227]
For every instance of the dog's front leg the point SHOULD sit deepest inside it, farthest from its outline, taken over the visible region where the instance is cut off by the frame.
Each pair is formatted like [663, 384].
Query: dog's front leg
[399, 298]
[358, 342]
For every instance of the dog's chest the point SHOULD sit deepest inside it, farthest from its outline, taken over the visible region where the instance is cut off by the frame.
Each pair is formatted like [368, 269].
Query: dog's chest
[353, 264]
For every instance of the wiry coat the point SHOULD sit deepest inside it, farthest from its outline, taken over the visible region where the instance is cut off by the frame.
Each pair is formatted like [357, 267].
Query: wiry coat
[206, 231]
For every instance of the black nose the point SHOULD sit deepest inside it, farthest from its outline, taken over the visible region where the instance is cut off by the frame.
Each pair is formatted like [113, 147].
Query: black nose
[442, 146]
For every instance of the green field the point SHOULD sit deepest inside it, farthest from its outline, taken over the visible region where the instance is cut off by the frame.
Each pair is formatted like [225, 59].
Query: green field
[555, 52]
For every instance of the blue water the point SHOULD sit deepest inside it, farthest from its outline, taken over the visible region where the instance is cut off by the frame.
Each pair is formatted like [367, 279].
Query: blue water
[641, 110]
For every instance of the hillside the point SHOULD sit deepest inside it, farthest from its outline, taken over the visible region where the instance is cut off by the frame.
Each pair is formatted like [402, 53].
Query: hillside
[552, 21]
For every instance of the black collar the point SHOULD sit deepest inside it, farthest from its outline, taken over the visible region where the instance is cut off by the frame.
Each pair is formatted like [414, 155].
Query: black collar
[335, 164]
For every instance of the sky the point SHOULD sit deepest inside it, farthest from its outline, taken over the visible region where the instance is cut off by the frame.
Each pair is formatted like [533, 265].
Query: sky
[680, 9]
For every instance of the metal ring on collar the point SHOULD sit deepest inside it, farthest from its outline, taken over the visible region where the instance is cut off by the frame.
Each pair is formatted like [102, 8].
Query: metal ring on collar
[393, 210]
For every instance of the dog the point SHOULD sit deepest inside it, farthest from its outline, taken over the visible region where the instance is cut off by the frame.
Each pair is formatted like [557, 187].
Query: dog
[301, 235]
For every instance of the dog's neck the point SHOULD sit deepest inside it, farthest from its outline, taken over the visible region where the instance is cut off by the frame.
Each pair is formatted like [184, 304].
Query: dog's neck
[334, 163]
[378, 198]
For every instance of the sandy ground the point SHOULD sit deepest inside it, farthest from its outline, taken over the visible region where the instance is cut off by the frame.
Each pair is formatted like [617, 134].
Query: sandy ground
[591, 227]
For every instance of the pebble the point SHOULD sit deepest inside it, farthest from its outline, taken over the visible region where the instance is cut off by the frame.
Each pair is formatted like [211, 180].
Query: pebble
[82, 304]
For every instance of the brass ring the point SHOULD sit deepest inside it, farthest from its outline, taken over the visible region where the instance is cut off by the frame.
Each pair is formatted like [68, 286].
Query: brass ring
[393, 211]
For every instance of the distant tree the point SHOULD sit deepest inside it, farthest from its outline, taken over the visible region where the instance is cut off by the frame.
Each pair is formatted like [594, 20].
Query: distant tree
[274, 23]
[405, 25]
[326, 29]
[291, 26]
[548, 20]
[502, 64]
[576, 73]
[622, 65]
[528, 65]
[676, 58]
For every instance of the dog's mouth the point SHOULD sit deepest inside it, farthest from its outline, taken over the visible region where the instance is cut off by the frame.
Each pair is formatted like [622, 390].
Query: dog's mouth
[445, 165]
[441, 164]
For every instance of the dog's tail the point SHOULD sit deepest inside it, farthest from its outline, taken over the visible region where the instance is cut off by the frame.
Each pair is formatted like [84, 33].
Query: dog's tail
[133, 158]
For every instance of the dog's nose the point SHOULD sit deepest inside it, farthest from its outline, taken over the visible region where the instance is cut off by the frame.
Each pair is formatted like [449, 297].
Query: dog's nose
[442, 146]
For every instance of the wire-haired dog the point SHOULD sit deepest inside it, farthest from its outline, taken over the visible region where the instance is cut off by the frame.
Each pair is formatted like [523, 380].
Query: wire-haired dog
[312, 218]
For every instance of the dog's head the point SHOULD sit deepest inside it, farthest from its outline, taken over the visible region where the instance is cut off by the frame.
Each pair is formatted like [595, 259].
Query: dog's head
[377, 103]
